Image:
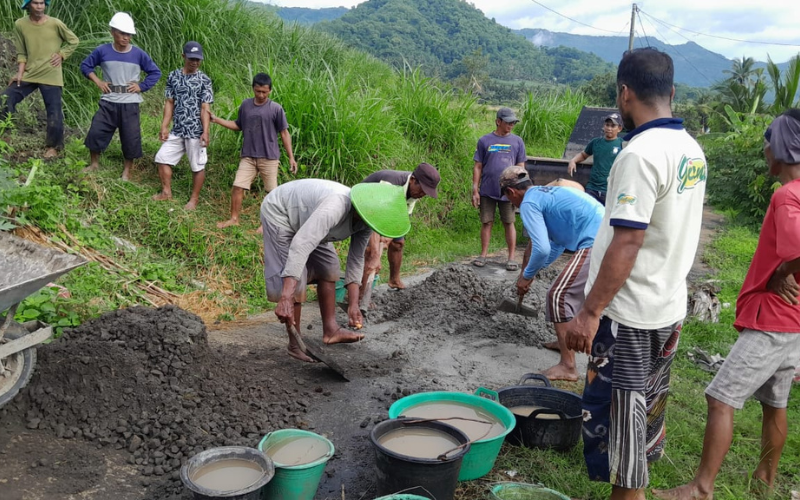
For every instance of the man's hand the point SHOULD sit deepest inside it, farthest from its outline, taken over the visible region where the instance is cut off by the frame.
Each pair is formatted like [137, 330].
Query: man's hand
[15, 78]
[523, 285]
[285, 310]
[292, 166]
[103, 86]
[476, 199]
[204, 139]
[134, 88]
[55, 60]
[581, 331]
[355, 319]
[571, 168]
[784, 287]
[163, 135]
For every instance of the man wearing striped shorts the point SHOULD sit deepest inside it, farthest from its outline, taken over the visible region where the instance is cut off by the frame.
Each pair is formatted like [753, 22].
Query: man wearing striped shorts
[556, 219]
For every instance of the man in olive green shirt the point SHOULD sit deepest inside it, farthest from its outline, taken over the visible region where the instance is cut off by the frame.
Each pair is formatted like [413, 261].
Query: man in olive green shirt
[42, 43]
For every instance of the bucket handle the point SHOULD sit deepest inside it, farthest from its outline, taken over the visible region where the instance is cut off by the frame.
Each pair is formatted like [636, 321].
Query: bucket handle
[488, 394]
[548, 411]
[535, 376]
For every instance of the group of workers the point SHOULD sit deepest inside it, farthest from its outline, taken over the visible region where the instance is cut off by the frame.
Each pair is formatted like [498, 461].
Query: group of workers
[632, 233]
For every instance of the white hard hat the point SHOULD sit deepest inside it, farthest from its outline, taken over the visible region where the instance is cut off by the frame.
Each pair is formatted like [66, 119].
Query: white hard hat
[123, 22]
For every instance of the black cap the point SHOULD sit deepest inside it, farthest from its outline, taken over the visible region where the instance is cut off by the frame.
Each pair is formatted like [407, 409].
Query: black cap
[193, 50]
[614, 117]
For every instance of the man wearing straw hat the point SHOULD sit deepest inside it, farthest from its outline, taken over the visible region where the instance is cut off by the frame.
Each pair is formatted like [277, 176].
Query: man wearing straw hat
[42, 44]
[300, 220]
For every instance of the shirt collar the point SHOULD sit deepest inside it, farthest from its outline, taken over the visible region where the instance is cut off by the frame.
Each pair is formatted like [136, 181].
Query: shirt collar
[670, 123]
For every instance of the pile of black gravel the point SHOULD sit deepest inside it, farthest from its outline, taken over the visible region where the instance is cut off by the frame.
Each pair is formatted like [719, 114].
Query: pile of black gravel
[144, 380]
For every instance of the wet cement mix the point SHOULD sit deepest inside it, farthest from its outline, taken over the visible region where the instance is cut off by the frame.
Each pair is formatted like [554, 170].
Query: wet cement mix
[144, 384]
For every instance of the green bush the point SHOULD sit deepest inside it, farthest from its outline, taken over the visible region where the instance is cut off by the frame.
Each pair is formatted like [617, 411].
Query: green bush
[547, 119]
[738, 179]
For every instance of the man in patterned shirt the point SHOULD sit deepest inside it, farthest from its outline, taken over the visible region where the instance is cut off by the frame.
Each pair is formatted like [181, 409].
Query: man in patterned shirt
[189, 96]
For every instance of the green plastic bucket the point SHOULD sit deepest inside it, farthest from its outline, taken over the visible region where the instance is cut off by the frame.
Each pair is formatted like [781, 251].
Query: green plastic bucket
[525, 491]
[341, 291]
[482, 454]
[295, 482]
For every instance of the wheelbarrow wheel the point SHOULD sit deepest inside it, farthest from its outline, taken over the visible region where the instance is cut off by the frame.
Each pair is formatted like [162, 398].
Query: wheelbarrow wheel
[18, 367]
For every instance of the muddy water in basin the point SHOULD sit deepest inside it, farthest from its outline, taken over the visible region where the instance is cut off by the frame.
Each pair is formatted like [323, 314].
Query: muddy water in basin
[297, 451]
[526, 410]
[228, 475]
[418, 442]
[476, 423]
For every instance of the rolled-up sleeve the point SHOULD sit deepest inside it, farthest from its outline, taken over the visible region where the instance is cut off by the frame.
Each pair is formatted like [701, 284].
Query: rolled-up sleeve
[354, 268]
[326, 216]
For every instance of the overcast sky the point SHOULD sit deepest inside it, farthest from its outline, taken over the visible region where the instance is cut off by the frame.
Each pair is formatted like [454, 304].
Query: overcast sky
[775, 21]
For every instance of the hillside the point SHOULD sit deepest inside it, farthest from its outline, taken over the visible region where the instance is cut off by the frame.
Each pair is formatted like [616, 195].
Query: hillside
[445, 36]
[302, 15]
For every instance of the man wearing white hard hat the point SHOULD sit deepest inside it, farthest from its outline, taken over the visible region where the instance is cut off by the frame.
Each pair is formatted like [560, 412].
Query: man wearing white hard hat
[42, 44]
[122, 64]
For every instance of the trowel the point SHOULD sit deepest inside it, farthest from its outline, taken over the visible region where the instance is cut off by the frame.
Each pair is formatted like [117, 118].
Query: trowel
[509, 306]
[315, 349]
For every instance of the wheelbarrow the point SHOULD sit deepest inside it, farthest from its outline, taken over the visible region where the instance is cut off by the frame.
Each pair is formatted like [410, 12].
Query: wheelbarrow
[25, 267]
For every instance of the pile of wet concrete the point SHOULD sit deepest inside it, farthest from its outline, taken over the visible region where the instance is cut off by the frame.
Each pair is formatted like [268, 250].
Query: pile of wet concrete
[458, 301]
[144, 381]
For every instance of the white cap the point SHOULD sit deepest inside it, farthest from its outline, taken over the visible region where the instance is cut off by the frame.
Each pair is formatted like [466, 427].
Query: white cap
[123, 22]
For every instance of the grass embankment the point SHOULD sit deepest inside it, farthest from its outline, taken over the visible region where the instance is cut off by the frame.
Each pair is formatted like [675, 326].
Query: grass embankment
[349, 115]
[730, 255]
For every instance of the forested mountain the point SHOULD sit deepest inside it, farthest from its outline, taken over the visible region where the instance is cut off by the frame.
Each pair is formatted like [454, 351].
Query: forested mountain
[302, 15]
[451, 38]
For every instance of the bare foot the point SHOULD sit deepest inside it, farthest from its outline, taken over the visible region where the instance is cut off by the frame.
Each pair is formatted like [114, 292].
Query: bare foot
[553, 346]
[50, 153]
[126, 175]
[685, 492]
[91, 168]
[227, 223]
[397, 285]
[342, 336]
[190, 206]
[297, 353]
[162, 196]
[561, 372]
[260, 230]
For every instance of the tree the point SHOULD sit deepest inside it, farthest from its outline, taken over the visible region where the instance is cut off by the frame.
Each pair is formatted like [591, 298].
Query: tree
[601, 90]
[784, 86]
[744, 89]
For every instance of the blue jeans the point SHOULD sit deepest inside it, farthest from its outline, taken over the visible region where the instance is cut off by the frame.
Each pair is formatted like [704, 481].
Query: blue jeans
[51, 94]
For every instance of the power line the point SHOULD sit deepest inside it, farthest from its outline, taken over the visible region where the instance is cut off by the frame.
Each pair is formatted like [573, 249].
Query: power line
[722, 37]
[573, 20]
[675, 48]
[642, 25]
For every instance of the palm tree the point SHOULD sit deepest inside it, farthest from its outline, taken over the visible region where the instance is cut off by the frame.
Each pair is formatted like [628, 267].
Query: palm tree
[784, 86]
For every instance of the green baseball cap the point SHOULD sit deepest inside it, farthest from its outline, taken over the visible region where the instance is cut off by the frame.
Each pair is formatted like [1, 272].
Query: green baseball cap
[383, 207]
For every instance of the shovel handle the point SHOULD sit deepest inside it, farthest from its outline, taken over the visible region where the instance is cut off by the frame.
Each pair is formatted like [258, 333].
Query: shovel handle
[297, 338]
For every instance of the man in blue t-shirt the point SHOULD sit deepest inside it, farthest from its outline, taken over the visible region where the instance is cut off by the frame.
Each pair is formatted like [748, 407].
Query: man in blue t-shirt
[604, 150]
[495, 152]
[122, 64]
[556, 218]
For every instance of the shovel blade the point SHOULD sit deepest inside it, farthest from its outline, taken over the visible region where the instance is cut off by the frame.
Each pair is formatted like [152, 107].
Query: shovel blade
[510, 306]
[314, 348]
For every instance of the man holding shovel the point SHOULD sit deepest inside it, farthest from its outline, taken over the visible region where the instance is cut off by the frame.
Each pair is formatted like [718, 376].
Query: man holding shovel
[300, 220]
[556, 218]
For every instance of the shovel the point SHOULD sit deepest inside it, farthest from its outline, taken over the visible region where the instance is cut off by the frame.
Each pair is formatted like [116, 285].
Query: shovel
[314, 349]
[509, 306]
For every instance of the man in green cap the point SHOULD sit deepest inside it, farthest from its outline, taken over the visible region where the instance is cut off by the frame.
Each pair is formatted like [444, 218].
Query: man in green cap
[42, 44]
[300, 220]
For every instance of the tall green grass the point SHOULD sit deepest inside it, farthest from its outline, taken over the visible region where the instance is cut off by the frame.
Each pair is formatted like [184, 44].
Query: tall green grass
[547, 119]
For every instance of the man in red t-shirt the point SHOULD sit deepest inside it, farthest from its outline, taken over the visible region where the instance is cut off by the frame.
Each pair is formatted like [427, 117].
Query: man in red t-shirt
[764, 358]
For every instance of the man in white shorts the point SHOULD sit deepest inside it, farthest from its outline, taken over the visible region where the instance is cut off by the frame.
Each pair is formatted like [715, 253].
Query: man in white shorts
[189, 96]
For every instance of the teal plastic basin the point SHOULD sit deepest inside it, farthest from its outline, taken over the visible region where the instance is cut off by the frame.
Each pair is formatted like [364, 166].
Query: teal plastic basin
[296, 482]
[482, 454]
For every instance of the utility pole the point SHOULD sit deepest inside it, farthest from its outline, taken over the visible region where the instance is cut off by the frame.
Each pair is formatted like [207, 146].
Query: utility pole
[633, 20]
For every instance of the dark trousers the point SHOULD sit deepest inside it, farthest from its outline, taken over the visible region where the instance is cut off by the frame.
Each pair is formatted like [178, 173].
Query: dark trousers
[51, 94]
[113, 116]
[597, 195]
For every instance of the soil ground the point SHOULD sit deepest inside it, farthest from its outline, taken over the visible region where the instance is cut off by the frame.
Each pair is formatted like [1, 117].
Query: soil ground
[116, 407]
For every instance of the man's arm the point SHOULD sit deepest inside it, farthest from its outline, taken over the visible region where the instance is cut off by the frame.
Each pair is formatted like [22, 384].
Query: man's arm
[783, 284]
[68, 47]
[205, 119]
[615, 269]
[228, 124]
[169, 109]
[477, 170]
[150, 69]
[286, 138]
[573, 163]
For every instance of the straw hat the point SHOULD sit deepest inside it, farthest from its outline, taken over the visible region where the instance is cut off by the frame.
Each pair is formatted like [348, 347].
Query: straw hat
[383, 207]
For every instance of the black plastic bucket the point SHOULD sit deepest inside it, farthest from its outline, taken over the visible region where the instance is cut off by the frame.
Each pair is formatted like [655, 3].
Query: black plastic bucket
[251, 492]
[559, 434]
[430, 478]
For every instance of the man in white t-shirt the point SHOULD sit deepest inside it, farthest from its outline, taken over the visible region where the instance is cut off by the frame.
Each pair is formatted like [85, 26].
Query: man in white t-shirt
[636, 293]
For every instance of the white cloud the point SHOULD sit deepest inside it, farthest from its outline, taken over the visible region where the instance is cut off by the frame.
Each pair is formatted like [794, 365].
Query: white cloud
[774, 21]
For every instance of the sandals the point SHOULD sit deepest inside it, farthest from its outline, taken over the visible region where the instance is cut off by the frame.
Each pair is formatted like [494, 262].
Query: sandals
[479, 262]
[512, 266]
